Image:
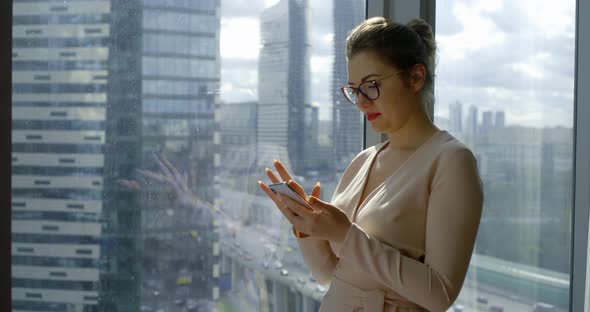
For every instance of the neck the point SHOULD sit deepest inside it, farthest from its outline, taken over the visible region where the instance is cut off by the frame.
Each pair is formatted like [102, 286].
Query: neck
[413, 133]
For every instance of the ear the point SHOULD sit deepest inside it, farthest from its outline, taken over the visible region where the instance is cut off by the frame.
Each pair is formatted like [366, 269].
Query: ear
[417, 77]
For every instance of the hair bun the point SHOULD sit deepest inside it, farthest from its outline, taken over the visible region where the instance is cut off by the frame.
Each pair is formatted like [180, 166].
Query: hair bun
[424, 30]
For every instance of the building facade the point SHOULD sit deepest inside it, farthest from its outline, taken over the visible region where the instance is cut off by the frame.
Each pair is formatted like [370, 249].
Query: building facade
[285, 110]
[100, 87]
[347, 121]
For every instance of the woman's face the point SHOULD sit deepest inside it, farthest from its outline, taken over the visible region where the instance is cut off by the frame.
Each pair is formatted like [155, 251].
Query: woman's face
[398, 100]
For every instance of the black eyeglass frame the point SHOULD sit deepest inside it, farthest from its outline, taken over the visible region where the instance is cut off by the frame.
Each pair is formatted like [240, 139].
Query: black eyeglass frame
[358, 90]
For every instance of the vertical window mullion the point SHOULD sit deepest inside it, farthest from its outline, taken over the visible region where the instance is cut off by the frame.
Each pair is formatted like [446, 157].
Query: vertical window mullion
[5, 154]
[579, 294]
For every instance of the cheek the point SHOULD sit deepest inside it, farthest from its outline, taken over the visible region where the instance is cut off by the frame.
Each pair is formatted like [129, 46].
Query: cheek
[396, 107]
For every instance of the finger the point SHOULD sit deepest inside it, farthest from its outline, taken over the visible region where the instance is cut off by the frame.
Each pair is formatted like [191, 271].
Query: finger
[298, 189]
[316, 190]
[273, 178]
[135, 185]
[318, 204]
[170, 166]
[275, 198]
[162, 166]
[185, 181]
[282, 171]
[278, 202]
[152, 175]
[129, 184]
[296, 207]
[175, 177]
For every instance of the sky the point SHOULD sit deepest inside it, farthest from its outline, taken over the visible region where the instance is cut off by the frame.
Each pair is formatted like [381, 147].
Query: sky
[515, 56]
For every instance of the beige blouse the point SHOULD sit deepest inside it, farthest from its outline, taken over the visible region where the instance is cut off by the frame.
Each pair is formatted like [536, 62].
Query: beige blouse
[412, 237]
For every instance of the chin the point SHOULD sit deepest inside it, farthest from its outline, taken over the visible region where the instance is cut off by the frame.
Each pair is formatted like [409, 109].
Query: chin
[378, 127]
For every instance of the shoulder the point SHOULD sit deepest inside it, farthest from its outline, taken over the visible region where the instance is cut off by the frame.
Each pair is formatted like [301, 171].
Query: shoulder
[454, 161]
[451, 150]
[455, 176]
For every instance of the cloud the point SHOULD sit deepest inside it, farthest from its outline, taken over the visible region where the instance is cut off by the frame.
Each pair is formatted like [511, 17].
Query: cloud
[240, 47]
[240, 38]
[516, 56]
[508, 58]
[244, 8]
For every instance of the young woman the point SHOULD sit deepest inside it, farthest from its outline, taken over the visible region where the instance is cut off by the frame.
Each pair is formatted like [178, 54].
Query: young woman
[400, 229]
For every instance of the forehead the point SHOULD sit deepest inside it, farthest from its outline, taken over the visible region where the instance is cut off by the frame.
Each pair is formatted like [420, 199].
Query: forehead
[365, 63]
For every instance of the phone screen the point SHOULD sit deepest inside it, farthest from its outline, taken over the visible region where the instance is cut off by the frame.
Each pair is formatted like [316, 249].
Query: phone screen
[285, 189]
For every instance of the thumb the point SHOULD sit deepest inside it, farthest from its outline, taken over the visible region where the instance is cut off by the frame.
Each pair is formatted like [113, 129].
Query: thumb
[316, 190]
[317, 203]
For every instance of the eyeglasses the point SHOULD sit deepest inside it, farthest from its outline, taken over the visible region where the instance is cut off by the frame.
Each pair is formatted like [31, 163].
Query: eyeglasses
[369, 89]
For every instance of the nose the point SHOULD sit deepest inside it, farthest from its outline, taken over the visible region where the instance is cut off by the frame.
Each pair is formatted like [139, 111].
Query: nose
[362, 101]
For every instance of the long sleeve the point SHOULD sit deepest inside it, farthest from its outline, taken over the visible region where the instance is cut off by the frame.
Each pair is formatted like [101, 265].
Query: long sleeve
[317, 253]
[453, 215]
[319, 258]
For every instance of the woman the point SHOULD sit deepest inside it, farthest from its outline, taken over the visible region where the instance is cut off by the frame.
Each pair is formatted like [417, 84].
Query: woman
[400, 229]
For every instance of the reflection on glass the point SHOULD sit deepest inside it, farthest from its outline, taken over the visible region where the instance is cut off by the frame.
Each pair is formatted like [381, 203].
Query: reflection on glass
[140, 129]
[515, 111]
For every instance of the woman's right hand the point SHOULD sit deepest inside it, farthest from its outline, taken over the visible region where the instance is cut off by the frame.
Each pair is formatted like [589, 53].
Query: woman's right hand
[286, 177]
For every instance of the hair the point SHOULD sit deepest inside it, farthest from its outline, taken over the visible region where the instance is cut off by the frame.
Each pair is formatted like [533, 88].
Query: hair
[402, 46]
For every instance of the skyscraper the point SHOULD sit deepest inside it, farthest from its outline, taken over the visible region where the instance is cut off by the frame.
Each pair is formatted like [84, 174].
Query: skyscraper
[283, 81]
[471, 122]
[60, 72]
[180, 73]
[347, 121]
[100, 86]
[500, 121]
[487, 122]
[456, 117]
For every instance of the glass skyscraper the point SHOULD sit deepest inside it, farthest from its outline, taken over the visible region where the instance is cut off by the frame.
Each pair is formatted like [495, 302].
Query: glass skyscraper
[346, 118]
[285, 116]
[99, 88]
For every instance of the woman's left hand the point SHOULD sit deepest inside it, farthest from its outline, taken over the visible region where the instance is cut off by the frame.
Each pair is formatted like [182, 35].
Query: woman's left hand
[326, 221]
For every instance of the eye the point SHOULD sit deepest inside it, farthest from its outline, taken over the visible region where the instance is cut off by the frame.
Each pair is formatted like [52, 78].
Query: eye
[369, 85]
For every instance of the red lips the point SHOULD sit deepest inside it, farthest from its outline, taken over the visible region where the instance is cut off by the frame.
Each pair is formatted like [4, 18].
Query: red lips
[372, 116]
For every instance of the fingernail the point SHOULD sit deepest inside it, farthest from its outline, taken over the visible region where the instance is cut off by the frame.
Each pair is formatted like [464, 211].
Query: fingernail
[266, 169]
[317, 184]
[275, 161]
[259, 182]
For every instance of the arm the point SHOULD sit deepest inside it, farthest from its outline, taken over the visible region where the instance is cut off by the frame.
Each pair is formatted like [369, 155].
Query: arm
[319, 258]
[317, 253]
[454, 212]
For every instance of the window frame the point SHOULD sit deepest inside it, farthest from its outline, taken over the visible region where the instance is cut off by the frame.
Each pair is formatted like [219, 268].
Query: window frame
[5, 154]
[579, 268]
[400, 11]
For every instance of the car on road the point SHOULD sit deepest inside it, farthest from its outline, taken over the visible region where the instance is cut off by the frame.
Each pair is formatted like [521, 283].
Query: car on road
[191, 304]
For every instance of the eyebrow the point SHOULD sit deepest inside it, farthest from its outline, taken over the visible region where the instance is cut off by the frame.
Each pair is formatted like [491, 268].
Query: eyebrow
[364, 78]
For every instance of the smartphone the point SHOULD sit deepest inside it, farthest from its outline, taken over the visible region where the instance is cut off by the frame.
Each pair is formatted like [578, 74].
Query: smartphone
[285, 189]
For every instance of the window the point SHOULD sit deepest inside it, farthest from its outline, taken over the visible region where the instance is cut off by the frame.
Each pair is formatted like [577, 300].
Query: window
[111, 96]
[505, 88]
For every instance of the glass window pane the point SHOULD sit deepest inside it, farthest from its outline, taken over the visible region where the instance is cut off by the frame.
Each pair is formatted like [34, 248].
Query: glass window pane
[140, 130]
[505, 87]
